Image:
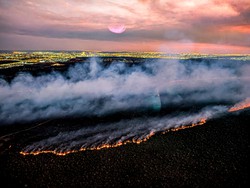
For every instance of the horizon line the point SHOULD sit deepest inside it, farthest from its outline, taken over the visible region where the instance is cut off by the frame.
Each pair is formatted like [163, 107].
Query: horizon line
[99, 51]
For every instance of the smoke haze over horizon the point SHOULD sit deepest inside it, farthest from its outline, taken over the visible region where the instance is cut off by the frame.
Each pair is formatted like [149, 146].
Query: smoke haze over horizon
[207, 26]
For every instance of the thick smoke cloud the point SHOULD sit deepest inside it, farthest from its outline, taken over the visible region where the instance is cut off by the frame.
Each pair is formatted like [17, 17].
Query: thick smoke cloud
[94, 89]
[91, 88]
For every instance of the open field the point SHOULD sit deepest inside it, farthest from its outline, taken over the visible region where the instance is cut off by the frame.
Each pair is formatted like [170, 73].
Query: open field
[211, 155]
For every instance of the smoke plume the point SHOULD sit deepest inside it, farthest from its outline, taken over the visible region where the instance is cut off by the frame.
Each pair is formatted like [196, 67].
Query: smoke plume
[115, 134]
[94, 89]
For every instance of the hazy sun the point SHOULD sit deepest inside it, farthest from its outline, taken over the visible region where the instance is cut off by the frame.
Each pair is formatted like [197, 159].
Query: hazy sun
[117, 28]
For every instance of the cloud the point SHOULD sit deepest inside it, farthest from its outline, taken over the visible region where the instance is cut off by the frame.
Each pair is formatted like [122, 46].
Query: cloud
[197, 21]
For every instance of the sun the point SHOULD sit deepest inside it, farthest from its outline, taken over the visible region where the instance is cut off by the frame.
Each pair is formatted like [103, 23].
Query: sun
[118, 29]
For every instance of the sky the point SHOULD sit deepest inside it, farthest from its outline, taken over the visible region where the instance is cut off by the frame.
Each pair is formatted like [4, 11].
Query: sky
[179, 26]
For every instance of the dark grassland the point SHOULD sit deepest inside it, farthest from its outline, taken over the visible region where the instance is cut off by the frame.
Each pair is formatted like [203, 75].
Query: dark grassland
[212, 155]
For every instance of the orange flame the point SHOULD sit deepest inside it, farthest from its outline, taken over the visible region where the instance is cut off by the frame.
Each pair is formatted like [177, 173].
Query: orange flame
[120, 143]
[240, 106]
[201, 122]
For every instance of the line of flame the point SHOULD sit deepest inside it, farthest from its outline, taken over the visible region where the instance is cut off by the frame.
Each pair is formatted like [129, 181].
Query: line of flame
[240, 106]
[105, 146]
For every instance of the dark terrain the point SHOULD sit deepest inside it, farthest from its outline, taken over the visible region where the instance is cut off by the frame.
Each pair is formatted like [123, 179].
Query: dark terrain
[211, 155]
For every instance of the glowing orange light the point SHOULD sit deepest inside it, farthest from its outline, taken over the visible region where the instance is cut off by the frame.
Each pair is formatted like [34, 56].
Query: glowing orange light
[117, 144]
[240, 106]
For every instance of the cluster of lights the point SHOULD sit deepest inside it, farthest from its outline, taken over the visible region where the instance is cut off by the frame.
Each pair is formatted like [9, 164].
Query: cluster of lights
[22, 58]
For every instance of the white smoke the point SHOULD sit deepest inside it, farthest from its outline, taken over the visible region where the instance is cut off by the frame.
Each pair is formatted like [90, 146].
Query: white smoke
[93, 89]
[120, 132]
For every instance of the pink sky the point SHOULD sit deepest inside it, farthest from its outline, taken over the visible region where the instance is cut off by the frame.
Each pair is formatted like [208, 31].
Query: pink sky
[205, 26]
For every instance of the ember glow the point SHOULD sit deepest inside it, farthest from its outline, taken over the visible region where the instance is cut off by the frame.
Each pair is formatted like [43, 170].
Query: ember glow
[135, 140]
[240, 106]
[124, 132]
[113, 145]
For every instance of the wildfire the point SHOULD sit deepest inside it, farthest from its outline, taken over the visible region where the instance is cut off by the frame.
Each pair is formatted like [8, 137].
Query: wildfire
[201, 122]
[240, 106]
[49, 151]
[109, 145]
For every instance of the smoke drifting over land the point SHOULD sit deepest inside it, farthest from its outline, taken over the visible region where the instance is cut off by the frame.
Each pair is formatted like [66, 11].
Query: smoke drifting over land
[94, 89]
[115, 134]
